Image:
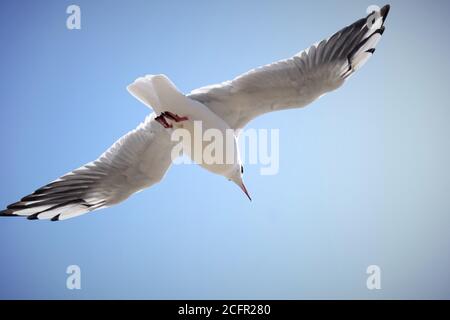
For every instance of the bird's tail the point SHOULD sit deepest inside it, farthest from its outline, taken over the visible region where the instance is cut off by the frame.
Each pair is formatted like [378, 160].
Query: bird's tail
[156, 92]
[144, 90]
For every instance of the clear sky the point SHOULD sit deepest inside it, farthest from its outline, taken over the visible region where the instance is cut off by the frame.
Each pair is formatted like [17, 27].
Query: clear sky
[364, 172]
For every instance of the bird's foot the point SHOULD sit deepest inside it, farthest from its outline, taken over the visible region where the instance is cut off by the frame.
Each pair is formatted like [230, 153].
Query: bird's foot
[167, 115]
[174, 117]
[162, 120]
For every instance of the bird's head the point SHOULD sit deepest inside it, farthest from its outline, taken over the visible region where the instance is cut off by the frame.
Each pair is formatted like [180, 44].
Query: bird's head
[236, 176]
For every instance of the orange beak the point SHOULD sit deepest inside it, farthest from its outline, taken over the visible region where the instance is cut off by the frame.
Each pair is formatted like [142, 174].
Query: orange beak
[242, 185]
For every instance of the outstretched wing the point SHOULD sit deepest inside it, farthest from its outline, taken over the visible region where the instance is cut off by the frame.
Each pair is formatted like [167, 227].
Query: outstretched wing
[136, 161]
[297, 81]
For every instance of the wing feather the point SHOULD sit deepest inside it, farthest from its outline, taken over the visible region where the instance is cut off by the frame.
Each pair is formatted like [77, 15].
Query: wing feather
[298, 81]
[118, 173]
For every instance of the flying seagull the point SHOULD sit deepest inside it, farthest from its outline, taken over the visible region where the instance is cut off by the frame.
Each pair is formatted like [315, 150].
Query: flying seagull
[141, 158]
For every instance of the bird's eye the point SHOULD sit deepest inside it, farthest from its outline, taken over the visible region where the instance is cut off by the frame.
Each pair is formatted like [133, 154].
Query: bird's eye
[242, 169]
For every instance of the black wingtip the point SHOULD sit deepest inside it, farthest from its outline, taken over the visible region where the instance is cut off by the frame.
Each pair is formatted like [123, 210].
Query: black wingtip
[55, 218]
[7, 213]
[385, 11]
[17, 206]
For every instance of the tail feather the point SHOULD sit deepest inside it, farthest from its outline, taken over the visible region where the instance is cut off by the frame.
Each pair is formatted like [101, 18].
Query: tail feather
[143, 90]
[157, 92]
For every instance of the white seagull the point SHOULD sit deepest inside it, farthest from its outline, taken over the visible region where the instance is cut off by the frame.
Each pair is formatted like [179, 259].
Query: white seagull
[141, 158]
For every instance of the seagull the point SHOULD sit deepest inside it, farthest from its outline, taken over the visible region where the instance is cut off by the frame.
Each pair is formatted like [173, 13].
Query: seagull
[142, 157]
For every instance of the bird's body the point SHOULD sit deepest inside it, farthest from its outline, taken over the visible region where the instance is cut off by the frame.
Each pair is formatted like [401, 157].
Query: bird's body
[165, 97]
[142, 157]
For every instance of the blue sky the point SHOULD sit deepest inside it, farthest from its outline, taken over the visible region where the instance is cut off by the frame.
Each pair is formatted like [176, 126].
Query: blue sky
[363, 177]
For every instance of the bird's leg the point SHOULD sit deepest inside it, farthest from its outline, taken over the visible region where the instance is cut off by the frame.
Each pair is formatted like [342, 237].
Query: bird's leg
[162, 120]
[171, 116]
[174, 117]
